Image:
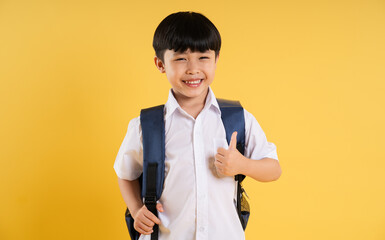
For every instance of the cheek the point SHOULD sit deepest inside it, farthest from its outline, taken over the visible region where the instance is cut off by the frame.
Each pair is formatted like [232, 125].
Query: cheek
[211, 71]
[210, 66]
[169, 71]
[173, 70]
[172, 75]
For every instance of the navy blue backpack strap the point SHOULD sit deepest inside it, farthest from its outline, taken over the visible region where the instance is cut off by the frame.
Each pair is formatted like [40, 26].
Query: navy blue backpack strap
[152, 178]
[153, 135]
[233, 119]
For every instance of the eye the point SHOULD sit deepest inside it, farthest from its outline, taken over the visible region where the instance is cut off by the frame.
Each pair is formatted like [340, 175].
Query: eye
[180, 59]
[204, 57]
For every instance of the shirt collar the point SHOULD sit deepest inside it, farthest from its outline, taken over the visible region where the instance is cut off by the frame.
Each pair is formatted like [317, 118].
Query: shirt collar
[172, 104]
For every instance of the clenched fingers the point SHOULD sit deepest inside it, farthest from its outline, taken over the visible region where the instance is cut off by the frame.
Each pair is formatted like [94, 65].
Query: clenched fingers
[145, 220]
[219, 158]
[221, 151]
[152, 217]
[143, 229]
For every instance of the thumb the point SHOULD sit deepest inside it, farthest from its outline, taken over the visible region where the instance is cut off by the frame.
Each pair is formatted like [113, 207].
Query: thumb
[233, 141]
[159, 207]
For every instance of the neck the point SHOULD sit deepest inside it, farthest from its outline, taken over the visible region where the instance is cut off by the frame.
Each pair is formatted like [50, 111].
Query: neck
[193, 106]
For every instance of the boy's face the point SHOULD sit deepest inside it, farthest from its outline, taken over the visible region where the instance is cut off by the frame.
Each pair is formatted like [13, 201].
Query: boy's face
[189, 73]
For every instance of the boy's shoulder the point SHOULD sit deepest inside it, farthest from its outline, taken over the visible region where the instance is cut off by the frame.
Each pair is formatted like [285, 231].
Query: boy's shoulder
[134, 127]
[134, 122]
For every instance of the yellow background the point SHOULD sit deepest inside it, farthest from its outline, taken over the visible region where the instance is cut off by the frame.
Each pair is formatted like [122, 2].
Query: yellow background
[73, 73]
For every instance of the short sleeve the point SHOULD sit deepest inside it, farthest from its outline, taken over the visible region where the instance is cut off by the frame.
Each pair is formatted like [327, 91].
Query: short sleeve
[129, 161]
[257, 146]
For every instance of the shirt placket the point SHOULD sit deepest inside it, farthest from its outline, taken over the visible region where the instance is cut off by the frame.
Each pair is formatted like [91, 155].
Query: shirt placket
[201, 181]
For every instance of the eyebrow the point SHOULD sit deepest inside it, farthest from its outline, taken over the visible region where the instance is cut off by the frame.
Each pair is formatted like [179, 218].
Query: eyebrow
[181, 53]
[178, 53]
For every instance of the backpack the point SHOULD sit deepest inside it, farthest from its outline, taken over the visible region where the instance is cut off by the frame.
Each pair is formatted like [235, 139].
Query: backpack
[152, 178]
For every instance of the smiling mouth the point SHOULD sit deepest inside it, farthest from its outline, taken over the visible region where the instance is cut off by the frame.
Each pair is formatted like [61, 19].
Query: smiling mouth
[193, 82]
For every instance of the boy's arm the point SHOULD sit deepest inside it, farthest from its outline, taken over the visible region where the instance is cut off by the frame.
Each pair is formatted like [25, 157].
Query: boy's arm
[130, 191]
[144, 219]
[231, 162]
[263, 170]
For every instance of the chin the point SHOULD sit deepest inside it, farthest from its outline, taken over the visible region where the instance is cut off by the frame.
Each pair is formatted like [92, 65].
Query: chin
[196, 92]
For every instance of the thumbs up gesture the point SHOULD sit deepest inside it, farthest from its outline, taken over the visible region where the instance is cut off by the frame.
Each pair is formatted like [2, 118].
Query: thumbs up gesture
[228, 162]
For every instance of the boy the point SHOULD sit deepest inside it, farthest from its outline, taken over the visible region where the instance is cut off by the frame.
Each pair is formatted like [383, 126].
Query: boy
[199, 187]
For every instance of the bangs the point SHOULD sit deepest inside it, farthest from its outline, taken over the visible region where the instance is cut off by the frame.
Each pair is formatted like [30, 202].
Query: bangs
[186, 30]
[193, 35]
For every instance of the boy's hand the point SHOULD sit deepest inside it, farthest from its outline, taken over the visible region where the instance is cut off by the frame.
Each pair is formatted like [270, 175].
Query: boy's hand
[145, 220]
[228, 161]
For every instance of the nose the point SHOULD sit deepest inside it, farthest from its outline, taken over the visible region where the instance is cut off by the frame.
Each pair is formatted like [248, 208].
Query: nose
[192, 67]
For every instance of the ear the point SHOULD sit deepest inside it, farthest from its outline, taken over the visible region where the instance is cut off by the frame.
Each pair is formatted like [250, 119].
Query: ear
[159, 64]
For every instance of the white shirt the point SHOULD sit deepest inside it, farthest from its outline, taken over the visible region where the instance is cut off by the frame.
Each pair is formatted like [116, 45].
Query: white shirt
[198, 204]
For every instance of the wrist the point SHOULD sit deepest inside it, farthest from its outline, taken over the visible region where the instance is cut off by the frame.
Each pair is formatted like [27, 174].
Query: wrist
[243, 165]
[135, 210]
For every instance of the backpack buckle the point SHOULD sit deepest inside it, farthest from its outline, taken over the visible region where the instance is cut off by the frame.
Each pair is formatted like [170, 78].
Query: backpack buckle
[150, 200]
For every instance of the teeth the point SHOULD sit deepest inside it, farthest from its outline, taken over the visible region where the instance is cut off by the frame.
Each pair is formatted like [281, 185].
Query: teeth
[193, 82]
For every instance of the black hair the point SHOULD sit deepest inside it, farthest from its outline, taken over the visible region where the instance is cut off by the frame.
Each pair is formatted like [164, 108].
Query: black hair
[186, 30]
